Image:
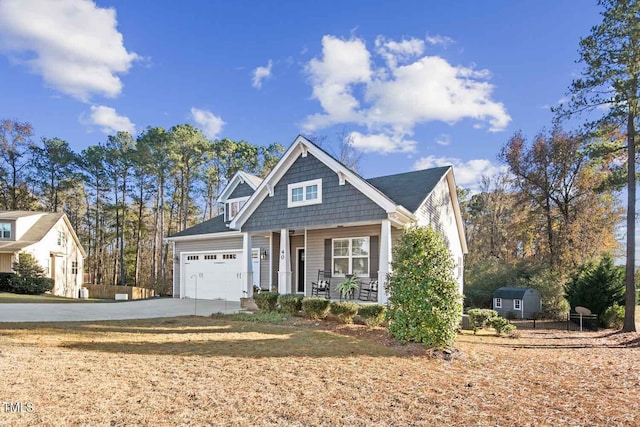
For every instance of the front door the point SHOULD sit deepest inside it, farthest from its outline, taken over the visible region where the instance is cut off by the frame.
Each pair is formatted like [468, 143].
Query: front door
[300, 270]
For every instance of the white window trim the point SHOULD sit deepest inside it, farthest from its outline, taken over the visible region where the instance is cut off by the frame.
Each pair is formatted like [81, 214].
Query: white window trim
[350, 256]
[304, 201]
[514, 304]
[230, 202]
[497, 303]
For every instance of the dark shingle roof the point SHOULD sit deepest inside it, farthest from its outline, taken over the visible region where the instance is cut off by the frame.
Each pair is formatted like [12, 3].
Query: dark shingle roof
[510, 293]
[213, 225]
[409, 189]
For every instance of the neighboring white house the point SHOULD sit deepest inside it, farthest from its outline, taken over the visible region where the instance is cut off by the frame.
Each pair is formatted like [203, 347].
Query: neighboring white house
[50, 238]
[312, 218]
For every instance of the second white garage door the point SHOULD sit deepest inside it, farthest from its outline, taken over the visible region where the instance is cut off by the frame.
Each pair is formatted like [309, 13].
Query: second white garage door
[213, 275]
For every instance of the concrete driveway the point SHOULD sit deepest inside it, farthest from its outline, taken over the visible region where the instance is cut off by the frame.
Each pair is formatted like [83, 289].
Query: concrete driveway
[145, 309]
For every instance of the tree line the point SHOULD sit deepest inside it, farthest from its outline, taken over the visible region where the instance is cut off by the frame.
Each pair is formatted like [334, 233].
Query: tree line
[124, 195]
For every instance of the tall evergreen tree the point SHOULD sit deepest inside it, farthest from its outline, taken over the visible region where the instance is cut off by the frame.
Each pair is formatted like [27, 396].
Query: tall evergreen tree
[611, 78]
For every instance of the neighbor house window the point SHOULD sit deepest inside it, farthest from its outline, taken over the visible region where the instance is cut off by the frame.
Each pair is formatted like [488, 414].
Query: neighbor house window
[233, 207]
[351, 256]
[517, 304]
[62, 239]
[5, 230]
[304, 193]
[74, 267]
[497, 303]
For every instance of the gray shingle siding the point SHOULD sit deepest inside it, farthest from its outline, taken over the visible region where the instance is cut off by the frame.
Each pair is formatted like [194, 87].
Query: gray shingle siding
[241, 190]
[340, 203]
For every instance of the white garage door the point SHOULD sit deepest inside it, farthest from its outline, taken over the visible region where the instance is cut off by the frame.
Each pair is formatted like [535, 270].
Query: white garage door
[213, 275]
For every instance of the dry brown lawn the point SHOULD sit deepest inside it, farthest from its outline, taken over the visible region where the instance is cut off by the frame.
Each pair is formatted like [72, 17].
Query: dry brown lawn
[201, 371]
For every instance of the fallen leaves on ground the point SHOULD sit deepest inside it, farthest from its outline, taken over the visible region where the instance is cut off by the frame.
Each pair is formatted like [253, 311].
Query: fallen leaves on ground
[200, 371]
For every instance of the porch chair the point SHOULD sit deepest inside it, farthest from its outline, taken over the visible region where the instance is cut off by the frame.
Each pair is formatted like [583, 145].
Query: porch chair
[369, 292]
[323, 285]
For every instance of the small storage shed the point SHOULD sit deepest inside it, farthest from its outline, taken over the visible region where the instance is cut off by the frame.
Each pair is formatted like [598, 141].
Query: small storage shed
[522, 303]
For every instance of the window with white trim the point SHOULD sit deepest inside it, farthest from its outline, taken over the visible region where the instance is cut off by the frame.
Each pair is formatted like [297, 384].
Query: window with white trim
[62, 239]
[517, 304]
[350, 256]
[74, 267]
[304, 193]
[233, 207]
[497, 303]
[5, 230]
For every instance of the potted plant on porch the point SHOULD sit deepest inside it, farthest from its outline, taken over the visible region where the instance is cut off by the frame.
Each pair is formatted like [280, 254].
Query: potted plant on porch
[348, 288]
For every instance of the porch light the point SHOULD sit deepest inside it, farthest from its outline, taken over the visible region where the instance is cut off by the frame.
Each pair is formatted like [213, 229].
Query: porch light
[263, 254]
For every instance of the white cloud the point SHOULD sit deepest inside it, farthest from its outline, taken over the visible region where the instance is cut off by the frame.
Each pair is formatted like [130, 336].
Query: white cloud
[439, 40]
[398, 52]
[109, 121]
[260, 74]
[392, 99]
[468, 174]
[210, 123]
[343, 63]
[443, 139]
[73, 44]
[381, 143]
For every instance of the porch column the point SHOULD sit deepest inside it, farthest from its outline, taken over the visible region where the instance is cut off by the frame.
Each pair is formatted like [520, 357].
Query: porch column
[247, 266]
[284, 270]
[385, 260]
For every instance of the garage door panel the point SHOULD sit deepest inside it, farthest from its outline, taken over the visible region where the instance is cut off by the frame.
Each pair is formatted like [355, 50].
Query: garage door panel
[214, 275]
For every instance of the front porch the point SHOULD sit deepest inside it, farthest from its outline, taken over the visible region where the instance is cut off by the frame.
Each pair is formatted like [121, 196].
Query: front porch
[296, 256]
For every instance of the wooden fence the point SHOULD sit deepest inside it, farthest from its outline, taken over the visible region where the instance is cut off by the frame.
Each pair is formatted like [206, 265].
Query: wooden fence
[110, 291]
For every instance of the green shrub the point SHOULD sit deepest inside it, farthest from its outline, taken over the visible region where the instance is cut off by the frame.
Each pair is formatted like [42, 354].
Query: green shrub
[551, 285]
[597, 286]
[372, 314]
[290, 304]
[424, 302]
[613, 317]
[345, 311]
[315, 308]
[31, 285]
[5, 282]
[501, 325]
[266, 301]
[480, 317]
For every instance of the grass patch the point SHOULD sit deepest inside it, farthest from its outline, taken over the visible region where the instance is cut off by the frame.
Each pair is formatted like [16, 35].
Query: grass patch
[9, 298]
[257, 317]
[203, 371]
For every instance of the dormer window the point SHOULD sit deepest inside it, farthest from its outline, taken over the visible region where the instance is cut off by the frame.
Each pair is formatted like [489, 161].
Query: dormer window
[304, 193]
[232, 207]
[5, 230]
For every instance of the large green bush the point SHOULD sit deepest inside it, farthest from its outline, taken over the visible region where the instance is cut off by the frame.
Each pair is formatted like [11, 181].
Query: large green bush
[372, 314]
[424, 303]
[290, 304]
[597, 286]
[315, 308]
[266, 301]
[345, 311]
[28, 278]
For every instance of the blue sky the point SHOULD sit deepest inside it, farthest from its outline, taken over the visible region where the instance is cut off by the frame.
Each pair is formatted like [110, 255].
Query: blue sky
[415, 83]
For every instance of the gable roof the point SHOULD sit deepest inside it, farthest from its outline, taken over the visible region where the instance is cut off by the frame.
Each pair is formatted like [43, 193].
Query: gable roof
[210, 226]
[302, 146]
[37, 231]
[409, 189]
[240, 176]
[510, 293]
